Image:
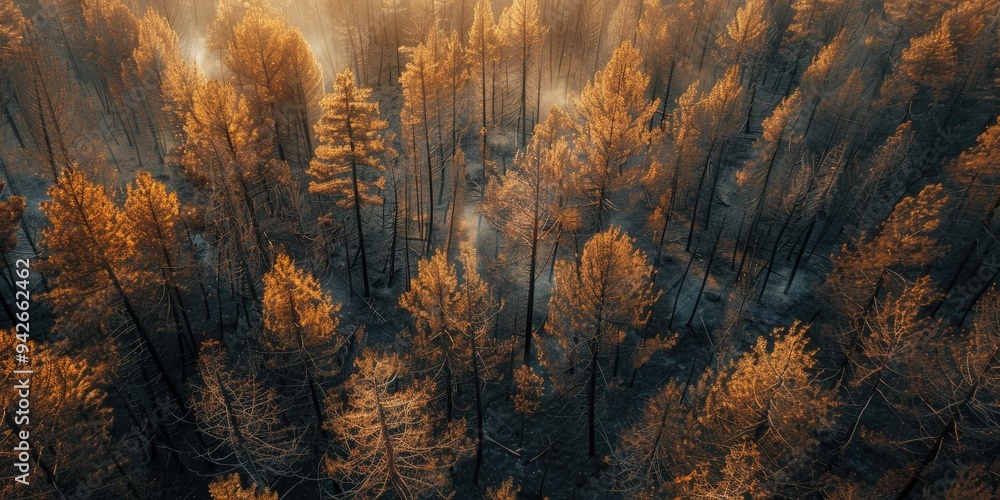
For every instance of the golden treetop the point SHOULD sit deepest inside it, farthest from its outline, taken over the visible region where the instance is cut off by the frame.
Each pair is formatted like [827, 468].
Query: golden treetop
[607, 292]
[298, 315]
[350, 132]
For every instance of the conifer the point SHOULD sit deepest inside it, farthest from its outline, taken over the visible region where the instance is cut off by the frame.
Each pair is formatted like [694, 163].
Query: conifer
[349, 161]
[390, 442]
[594, 305]
[69, 421]
[615, 116]
[521, 29]
[527, 203]
[242, 416]
[300, 328]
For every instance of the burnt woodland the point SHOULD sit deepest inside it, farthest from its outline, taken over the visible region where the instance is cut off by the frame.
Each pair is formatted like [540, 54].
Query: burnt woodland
[500, 249]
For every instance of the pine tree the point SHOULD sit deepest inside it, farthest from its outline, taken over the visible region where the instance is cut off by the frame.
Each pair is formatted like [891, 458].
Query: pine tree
[653, 450]
[958, 376]
[420, 112]
[88, 247]
[658, 38]
[228, 14]
[765, 175]
[453, 319]
[738, 475]
[615, 116]
[742, 429]
[969, 481]
[349, 160]
[181, 80]
[11, 213]
[521, 30]
[838, 116]
[670, 182]
[746, 36]
[482, 50]
[69, 423]
[112, 34]
[453, 77]
[527, 203]
[298, 314]
[506, 491]
[11, 221]
[56, 116]
[896, 331]
[826, 72]
[300, 328]
[594, 305]
[222, 136]
[588, 40]
[869, 208]
[715, 115]
[771, 397]
[242, 416]
[176, 14]
[529, 388]
[224, 155]
[389, 440]
[905, 240]
[459, 194]
[279, 73]
[91, 254]
[699, 126]
[302, 91]
[153, 216]
[253, 35]
[930, 62]
[11, 26]
[432, 296]
[816, 22]
[171, 80]
[157, 53]
[974, 170]
[433, 82]
[354, 21]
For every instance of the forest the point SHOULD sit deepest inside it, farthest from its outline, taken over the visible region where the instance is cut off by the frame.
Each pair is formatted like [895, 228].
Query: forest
[499, 249]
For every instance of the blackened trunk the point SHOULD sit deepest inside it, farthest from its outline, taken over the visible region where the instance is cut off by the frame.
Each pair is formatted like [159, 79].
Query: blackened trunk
[592, 401]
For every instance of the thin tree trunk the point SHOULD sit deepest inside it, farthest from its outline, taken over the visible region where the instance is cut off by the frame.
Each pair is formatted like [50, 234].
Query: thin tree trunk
[798, 258]
[592, 399]
[479, 411]
[708, 270]
[532, 262]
